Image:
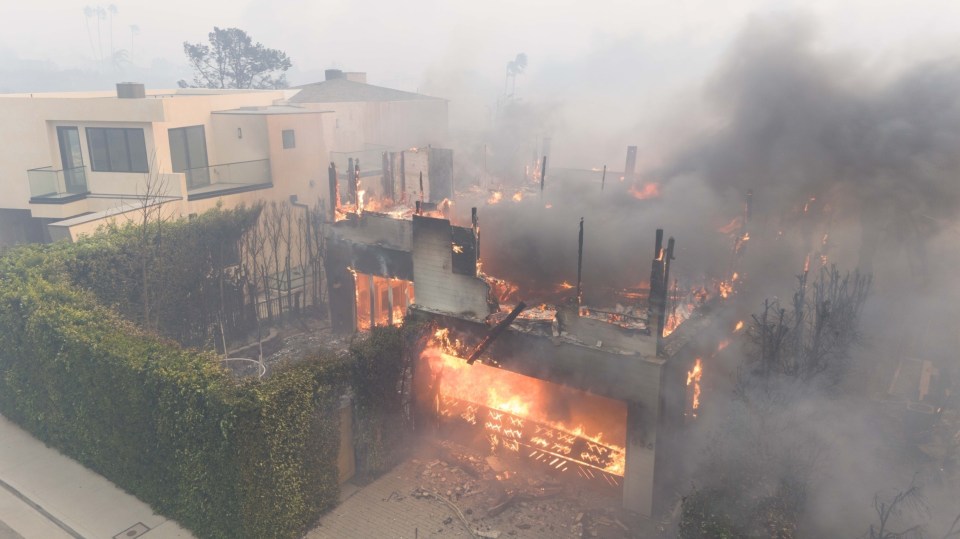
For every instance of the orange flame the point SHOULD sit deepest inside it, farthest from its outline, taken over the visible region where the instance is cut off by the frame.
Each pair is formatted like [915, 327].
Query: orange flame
[645, 191]
[693, 377]
[513, 399]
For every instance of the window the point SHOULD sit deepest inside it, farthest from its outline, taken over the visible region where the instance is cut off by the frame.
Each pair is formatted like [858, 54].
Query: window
[289, 139]
[117, 150]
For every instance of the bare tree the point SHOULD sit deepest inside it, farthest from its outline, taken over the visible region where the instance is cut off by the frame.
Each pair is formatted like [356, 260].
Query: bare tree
[149, 216]
[814, 336]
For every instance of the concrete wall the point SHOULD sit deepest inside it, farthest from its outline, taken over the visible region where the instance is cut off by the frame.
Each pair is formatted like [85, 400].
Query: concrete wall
[395, 124]
[301, 170]
[438, 287]
[375, 229]
[229, 147]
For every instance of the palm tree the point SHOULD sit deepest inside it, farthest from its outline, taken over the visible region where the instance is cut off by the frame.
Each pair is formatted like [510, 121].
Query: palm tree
[89, 11]
[514, 67]
[134, 31]
[112, 8]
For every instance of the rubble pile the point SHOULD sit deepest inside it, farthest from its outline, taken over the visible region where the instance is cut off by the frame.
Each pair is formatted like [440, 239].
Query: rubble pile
[490, 497]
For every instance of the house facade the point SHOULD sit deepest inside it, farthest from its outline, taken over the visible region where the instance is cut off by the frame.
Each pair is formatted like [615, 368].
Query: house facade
[73, 161]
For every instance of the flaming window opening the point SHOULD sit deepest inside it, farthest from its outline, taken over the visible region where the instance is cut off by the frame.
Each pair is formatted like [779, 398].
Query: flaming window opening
[381, 301]
[569, 430]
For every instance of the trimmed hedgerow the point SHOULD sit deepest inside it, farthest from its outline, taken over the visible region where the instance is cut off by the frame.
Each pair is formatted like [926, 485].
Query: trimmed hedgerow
[226, 459]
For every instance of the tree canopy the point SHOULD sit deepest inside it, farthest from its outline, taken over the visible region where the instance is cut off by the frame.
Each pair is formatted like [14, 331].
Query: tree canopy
[233, 60]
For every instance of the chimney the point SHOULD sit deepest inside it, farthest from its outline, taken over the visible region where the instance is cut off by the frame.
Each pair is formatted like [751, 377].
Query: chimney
[331, 74]
[356, 76]
[131, 90]
[629, 169]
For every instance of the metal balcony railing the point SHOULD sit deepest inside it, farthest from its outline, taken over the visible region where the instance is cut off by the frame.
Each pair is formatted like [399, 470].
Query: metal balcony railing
[50, 185]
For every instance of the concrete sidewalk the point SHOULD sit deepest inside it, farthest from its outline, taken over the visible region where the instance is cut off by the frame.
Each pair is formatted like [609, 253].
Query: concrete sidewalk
[44, 494]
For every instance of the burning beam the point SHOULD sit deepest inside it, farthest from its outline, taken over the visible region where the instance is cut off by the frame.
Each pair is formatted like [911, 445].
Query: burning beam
[496, 331]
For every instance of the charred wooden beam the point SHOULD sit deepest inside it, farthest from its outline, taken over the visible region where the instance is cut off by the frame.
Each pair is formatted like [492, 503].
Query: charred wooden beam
[351, 186]
[356, 183]
[475, 221]
[662, 303]
[334, 190]
[496, 331]
[403, 177]
[656, 277]
[386, 178]
[580, 266]
[421, 187]
[543, 172]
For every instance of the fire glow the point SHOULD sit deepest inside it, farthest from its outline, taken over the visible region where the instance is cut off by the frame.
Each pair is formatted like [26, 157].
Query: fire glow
[693, 379]
[533, 418]
[645, 191]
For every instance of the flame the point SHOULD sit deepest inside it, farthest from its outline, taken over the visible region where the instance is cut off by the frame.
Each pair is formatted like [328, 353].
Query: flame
[360, 194]
[806, 264]
[495, 197]
[738, 327]
[647, 190]
[457, 248]
[731, 227]
[518, 196]
[693, 377]
[514, 411]
[565, 286]
[726, 289]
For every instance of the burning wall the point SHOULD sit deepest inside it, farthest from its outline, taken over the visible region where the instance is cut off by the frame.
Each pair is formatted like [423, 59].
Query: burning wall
[620, 397]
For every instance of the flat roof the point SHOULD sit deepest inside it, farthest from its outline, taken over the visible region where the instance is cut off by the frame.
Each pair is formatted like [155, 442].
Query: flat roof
[272, 109]
[345, 91]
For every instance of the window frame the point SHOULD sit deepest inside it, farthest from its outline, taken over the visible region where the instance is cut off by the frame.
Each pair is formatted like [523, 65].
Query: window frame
[108, 160]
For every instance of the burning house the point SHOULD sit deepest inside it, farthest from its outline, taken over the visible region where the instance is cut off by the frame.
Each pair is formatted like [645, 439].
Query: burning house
[596, 395]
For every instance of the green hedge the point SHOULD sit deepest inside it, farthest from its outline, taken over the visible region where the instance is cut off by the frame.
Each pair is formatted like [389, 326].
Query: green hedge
[225, 459]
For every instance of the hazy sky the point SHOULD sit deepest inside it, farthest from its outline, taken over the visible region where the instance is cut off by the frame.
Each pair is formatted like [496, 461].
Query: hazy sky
[397, 42]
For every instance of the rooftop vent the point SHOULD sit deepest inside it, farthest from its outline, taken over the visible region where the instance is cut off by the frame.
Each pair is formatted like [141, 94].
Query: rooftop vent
[131, 90]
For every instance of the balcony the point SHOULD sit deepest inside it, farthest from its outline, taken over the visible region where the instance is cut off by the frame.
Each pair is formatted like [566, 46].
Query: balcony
[229, 178]
[51, 186]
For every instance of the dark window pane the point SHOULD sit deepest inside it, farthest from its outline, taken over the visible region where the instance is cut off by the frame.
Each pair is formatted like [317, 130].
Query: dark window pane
[117, 150]
[138, 150]
[178, 150]
[196, 146]
[289, 139]
[96, 141]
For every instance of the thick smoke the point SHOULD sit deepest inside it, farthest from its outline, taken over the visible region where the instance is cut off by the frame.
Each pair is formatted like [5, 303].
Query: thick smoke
[849, 163]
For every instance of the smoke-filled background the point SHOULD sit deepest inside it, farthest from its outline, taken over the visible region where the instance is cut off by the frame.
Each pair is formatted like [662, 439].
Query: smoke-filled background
[851, 162]
[842, 119]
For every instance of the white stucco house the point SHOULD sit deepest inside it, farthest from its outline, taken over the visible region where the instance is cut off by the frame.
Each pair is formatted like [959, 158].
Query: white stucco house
[72, 161]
